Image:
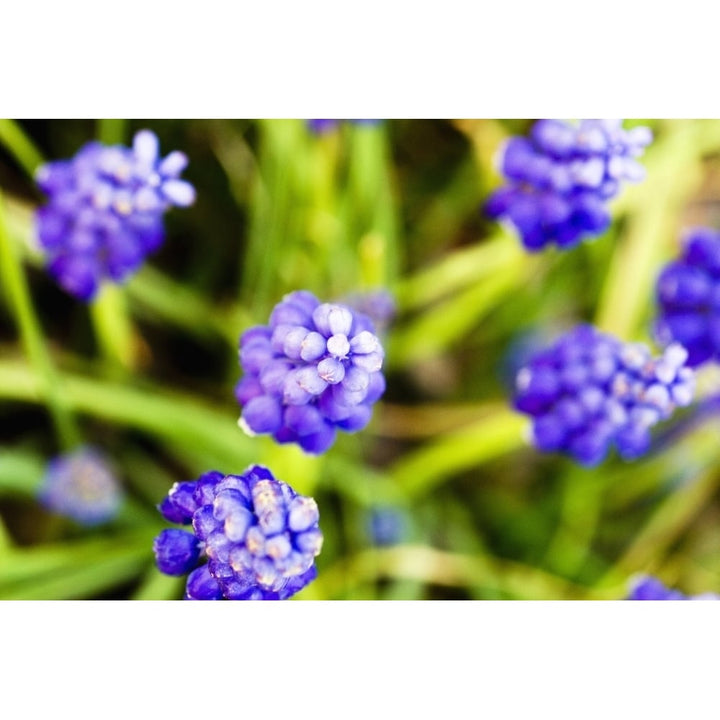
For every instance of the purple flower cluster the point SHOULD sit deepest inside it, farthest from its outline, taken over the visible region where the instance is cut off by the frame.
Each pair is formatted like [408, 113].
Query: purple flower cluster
[314, 369]
[688, 295]
[105, 210]
[80, 485]
[646, 587]
[590, 391]
[320, 127]
[387, 525]
[260, 538]
[562, 176]
[379, 305]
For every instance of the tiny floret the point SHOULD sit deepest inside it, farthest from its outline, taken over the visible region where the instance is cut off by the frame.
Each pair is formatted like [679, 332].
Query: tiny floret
[247, 537]
[322, 127]
[688, 297]
[315, 369]
[646, 587]
[589, 391]
[560, 178]
[379, 305]
[105, 210]
[387, 525]
[81, 485]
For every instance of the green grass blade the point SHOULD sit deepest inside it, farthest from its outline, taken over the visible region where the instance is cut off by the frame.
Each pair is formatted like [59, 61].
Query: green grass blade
[499, 432]
[20, 146]
[18, 295]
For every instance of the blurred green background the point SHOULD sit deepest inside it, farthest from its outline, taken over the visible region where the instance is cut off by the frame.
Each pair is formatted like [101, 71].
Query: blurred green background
[472, 511]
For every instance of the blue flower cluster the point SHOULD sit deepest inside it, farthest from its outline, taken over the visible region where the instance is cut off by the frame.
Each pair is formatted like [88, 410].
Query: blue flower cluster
[80, 485]
[646, 587]
[562, 176]
[379, 305]
[320, 127]
[314, 369]
[590, 391]
[688, 295]
[105, 210]
[387, 525]
[259, 536]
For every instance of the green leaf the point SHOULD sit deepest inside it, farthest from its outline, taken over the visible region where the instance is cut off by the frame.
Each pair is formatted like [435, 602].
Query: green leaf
[496, 434]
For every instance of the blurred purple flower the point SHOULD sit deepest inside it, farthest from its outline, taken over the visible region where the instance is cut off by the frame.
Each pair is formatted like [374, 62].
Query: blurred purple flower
[105, 211]
[387, 525]
[378, 305]
[80, 485]
[590, 391]
[688, 295]
[560, 178]
[320, 127]
[645, 587]
[259, 537]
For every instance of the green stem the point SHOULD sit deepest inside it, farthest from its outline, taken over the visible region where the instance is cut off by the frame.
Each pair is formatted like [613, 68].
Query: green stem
[272, 206]
[111, 131]
[580, 513]
[18, 295]
[442, 326]
[500, 432]
[113, 327]
[74, 570]
[654, 209]
[161, 298]
[665, 526]
[156, 586]
[373, 221]
[109, 311]
[20, 146]
[431, 566]
[457, 270]
[172, 416]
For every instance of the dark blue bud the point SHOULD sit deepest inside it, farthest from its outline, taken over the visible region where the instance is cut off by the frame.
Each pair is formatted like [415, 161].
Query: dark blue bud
[176, 552]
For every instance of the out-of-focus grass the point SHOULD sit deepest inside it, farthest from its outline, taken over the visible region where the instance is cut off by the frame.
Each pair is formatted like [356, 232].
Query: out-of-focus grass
[148, 372]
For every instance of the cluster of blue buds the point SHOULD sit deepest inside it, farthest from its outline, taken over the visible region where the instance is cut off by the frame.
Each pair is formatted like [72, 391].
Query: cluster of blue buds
[314, 369]
[590, 391]
[646, 587]
[105, 210]
[80, 485]
[562, 176]
[688, 295]
[260, 538]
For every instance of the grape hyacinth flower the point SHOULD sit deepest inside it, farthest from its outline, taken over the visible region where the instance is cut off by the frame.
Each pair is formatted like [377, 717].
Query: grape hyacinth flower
[315, 369]
[386, 525]
[378, 305]
[258, 536]
[80, 485]
[589, 391]
[688, 296]
[105, 210]
[560, 178]
[645, 587]
[321, 127]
